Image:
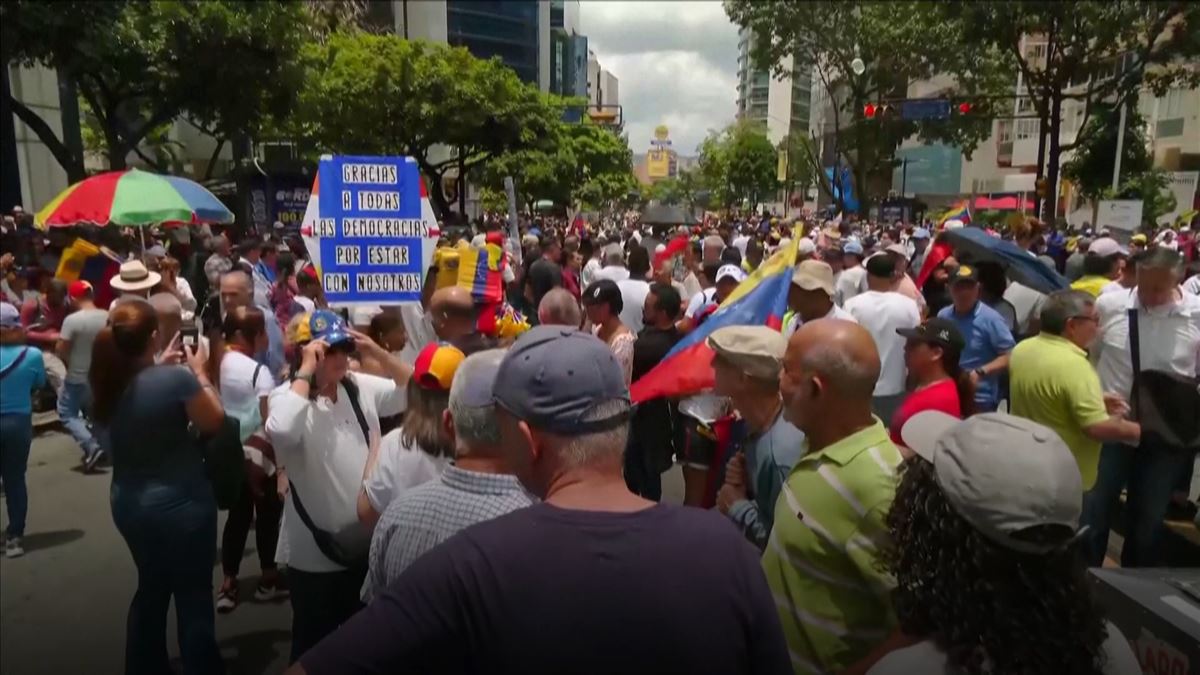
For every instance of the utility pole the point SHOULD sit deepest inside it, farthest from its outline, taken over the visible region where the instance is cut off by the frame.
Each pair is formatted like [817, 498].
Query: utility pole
[1116, 181]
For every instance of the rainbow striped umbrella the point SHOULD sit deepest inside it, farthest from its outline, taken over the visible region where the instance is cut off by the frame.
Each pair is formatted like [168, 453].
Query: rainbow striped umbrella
[134, 197]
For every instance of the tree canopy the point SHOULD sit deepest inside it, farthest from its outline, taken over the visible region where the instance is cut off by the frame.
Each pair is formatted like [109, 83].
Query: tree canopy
[738, 164]
[897, 43]
[383, 95]
[140, 65]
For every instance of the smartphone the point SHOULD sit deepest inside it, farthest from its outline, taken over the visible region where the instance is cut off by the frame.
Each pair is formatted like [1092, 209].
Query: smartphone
[189, 335]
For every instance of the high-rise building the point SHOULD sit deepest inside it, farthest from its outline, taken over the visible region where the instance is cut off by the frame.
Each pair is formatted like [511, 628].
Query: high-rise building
[516, 31]
[781, 104]
[568, 50]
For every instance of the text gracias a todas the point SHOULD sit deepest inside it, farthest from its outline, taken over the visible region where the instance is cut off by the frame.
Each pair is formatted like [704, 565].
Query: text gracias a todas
[383, 228]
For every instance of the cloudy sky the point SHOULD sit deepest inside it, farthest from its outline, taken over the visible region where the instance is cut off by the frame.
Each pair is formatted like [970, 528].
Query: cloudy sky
[676, 63]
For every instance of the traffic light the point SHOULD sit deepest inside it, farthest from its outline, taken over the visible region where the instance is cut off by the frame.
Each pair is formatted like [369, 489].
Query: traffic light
[1040, 187]
[964, 108]
[869, 111]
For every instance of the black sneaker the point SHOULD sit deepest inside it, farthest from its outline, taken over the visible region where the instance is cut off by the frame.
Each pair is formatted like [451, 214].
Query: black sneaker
[90, 461]
[266, 591]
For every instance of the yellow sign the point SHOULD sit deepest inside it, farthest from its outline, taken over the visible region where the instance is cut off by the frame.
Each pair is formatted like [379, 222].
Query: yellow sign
[781, 167]
[658, 163]
[660, 132]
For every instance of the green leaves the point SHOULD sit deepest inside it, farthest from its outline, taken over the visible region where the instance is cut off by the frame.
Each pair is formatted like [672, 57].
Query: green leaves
[739, 164]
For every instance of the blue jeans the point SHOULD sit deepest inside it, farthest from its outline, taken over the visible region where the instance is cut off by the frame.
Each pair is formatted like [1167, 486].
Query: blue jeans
[73, 400]
[16, 435]
[170, 526]
[1148, 473]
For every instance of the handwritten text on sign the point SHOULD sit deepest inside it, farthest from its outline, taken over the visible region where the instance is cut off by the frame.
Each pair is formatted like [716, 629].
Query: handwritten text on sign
[371, 230]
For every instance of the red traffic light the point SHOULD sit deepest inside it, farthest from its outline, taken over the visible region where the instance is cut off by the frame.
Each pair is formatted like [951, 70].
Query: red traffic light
[964, 108]
[869, 110]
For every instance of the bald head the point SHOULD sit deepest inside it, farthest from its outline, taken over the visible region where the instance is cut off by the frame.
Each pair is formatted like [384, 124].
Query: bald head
[829, 375]
[452, 312]
[559, 307]
[842, 353]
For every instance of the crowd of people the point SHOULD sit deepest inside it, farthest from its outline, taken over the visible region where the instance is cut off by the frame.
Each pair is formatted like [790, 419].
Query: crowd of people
[440, 487]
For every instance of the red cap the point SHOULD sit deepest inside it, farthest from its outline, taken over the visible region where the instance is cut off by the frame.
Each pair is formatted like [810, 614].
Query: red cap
[495, 237]
[79, 289]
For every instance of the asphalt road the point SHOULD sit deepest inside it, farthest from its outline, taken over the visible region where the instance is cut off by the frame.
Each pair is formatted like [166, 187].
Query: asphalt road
[63, 605]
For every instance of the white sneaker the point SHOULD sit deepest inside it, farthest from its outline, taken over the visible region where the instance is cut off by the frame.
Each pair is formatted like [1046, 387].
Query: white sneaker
[12, 548]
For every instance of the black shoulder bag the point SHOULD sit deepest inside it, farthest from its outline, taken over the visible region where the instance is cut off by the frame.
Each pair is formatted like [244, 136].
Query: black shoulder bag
[1166, 404]
[350, 546]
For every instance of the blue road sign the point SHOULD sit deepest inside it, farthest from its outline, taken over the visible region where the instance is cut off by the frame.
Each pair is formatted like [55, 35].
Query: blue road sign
[370, 230]
[925, 109]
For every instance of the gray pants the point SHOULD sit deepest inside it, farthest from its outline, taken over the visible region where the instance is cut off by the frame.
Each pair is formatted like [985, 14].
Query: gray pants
[885, 407]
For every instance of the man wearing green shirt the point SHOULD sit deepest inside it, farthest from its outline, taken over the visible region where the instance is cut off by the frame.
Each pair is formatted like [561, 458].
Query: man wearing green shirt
[1053, 383]
[821, 560]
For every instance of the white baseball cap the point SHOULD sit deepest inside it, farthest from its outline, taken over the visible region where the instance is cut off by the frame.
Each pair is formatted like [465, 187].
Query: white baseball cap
[730, 271]
[1003, 474]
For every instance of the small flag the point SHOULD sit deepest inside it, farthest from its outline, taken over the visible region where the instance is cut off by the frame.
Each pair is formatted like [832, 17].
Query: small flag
[960, 211]
[481, 271]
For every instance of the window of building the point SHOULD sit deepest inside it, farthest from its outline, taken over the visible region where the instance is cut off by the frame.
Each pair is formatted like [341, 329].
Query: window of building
[1027, 129]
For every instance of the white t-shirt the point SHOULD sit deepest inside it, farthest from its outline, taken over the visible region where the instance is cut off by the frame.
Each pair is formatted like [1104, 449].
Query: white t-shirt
[1192, 285]
[240, 388]
[850, 283]
[882, 314]
[1026, 302]
[306, 303]
[927, 658]
[740, 242]
[588, 275]
[1111, 287]
[322, 446]
[700, 300]
[633, 298]
[400, 466]
[612, 273]
[835, 312]
[361, 315]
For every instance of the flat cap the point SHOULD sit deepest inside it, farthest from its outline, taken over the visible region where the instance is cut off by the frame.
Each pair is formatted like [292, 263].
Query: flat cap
[757, 350]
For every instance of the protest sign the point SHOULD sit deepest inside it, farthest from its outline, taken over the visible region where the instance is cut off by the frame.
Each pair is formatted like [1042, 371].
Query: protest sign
[370, 230]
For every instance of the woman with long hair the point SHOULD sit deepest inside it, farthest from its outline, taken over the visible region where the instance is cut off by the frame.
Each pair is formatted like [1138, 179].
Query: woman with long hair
[421, 448]
[931, 356]
[245, 385]
[984, 549]
[177, 285]
[285, 289]
[162, 501]
[602, 302]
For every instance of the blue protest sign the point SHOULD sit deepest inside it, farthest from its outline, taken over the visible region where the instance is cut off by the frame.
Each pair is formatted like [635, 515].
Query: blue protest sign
[370, 229]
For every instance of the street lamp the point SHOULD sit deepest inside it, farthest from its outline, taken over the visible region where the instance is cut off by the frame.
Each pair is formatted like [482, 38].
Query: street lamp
[857, 64]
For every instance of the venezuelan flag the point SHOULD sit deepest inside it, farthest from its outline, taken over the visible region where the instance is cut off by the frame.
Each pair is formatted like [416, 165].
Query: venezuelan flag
[481, 271]
[960, 211]
[760, 300]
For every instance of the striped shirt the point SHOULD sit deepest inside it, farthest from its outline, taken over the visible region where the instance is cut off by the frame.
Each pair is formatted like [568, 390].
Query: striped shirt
[423, 517]
[821, 560]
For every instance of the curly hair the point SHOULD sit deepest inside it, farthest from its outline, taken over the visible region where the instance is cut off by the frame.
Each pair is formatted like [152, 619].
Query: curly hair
[990, 609]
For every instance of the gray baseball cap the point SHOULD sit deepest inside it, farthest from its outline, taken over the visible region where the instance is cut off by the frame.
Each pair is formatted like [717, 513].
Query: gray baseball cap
[1003, 474]
[553, 376]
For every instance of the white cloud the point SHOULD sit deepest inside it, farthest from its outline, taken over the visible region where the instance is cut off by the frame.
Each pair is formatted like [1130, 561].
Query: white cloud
[676, 63]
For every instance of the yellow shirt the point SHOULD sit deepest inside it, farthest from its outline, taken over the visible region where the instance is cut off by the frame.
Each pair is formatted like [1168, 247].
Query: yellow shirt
[1053, 383]
[1092, 284]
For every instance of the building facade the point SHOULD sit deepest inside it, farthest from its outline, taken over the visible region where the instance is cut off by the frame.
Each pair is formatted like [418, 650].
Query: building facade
[781, 104]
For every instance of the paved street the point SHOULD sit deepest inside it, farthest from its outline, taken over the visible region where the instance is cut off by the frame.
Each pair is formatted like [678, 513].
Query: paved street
[64, 603]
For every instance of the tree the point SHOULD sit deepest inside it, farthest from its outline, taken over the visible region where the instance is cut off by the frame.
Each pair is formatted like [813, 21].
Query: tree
[897, 43]
[1094, 53]
[383, 95]
[739, 164]
[1152, 188]
[580, 163]
[140, 65]
[1091, 166]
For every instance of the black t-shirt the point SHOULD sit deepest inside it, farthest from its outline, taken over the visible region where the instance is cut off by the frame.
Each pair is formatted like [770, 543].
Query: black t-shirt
[651, 346]
[149, 428]
[544, 274]
[547, 590]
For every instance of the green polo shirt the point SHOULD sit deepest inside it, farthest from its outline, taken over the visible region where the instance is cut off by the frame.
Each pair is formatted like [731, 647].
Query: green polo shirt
[821, 561]
[1052, 383]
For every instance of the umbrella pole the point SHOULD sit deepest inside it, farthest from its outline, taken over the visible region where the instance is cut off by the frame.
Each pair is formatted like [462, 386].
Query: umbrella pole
[142, 234]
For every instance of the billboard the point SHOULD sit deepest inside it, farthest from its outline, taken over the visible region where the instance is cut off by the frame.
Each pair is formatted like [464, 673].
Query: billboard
[658, 163]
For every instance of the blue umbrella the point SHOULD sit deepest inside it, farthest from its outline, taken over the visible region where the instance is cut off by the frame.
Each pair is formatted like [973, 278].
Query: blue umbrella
[1020, 266]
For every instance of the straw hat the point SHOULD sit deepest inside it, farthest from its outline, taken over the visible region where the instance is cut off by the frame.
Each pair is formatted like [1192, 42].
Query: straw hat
[135, 277]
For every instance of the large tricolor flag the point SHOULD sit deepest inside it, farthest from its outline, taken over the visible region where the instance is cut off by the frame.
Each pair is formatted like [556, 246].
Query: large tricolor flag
[760, 300]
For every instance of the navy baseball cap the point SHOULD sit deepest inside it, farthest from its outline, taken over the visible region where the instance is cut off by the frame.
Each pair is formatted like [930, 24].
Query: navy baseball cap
[328, 326]
[552, 376]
